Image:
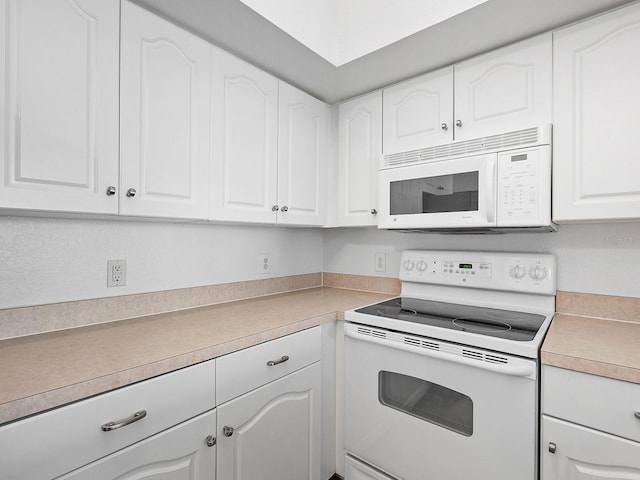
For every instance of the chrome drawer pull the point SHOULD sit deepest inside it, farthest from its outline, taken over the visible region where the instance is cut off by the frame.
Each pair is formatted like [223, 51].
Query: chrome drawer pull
[552, 447]
[637, 415]
[107, 427]
[282, 359]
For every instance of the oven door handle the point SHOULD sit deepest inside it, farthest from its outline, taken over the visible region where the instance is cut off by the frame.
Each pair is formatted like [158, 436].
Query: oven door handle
[519, 368]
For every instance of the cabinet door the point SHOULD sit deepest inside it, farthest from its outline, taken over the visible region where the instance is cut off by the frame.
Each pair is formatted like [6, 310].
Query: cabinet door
[302, 151]
[360, 147]
[244, 113]
[180, 453]
[276, 430]
[585, 454]
[596, 123]
[59, 122]
[418, 113]
[165, 118]
[504, 90]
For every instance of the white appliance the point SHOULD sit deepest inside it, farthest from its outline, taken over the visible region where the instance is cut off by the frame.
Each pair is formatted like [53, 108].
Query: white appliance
[442, 382]
[488, 184]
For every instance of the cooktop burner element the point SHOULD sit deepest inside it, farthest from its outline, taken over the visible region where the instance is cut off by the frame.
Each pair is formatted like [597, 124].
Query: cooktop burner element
[506, 324]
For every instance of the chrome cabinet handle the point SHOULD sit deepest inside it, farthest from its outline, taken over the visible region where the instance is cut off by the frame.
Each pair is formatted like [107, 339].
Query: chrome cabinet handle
[552, 447]
[637, 415]
[109, 426]
[227, 431]
[458, 123]
[444, 127]
[275, 208]
[131, 192]
[285, 209]
[282, 359]
[374, 211]
[111, 191]
[210, 441]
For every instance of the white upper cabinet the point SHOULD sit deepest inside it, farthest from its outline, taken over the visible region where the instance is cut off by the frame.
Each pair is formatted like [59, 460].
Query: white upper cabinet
[164, 168]
[360, 147]
[244, 119]
[505, 90]
[302, 152]
[418, 113]
[596, 120]
[59, 123]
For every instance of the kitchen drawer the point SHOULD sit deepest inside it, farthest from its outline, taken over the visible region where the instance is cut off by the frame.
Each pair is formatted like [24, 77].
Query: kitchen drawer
[56, 442]
[242, 371]
[597, 402]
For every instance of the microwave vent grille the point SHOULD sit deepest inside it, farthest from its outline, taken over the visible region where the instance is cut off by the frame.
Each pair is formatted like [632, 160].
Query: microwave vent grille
[491, 143]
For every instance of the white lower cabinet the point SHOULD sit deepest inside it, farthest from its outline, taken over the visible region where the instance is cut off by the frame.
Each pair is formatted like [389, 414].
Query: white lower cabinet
[573, 452]
[184, 452]
[273, 433]
[110, 430]
[271, 430]
[590, 427]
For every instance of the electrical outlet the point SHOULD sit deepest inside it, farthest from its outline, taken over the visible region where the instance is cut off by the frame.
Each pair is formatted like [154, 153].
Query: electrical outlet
[380, 264]
[116, 273]
[265, 263]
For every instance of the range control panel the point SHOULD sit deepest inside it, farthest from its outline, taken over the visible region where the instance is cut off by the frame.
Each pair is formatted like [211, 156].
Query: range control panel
[522, 272]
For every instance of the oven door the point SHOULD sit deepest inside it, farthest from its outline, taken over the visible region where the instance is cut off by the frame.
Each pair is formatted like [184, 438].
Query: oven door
[458, 193]
[419, 408]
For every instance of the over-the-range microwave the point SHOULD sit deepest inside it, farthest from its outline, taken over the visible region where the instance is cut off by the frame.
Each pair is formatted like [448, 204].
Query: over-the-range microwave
[494, 184]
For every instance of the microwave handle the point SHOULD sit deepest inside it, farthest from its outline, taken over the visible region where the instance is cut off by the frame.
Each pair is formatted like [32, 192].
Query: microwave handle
[490, 193]
[522, 368]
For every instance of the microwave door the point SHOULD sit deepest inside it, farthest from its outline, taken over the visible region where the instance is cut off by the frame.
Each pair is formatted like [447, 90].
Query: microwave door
[447, 194]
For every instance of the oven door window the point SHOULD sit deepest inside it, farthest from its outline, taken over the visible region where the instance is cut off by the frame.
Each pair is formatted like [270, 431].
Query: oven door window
[457, 192]
[428, 401]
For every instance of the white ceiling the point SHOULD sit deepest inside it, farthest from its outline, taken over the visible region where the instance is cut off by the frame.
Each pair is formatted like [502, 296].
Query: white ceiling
[235, 27]
[342, 30]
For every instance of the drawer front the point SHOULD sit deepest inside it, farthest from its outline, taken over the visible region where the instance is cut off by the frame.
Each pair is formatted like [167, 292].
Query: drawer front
[598, 402]
[242, 371]
[56, 442]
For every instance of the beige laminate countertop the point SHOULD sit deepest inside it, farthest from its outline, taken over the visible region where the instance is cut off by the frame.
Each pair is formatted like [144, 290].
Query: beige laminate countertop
[609, 348]
[40, 372]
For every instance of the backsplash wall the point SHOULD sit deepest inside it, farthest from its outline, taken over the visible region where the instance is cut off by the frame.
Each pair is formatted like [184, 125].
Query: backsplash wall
[50, 260]
[592, 258]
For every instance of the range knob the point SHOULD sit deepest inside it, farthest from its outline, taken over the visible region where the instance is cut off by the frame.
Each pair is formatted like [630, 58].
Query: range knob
[408, 265]
[538, 273]
[516, 271]
[422, 266]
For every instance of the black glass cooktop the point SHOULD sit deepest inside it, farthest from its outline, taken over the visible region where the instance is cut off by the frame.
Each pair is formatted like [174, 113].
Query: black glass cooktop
[506, 324]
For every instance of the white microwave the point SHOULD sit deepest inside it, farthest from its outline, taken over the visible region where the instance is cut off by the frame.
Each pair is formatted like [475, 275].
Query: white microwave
[489, 192]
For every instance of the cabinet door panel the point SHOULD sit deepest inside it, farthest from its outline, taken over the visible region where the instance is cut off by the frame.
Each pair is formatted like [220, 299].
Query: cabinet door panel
[504, 90]
[180, 453]
[414, 112]
[585, 454]
[245, 142]
[302, 154]
[165, 118]
[59, 127]
[276, 430]
[360, 144]
[596, 122]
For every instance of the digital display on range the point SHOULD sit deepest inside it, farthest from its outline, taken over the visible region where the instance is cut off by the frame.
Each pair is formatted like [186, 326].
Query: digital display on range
[466, 265]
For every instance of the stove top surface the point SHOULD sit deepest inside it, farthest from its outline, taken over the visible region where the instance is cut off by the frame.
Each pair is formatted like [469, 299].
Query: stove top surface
[504, 324]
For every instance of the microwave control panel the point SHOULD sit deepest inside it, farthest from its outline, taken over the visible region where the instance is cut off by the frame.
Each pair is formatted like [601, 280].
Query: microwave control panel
[524, 187]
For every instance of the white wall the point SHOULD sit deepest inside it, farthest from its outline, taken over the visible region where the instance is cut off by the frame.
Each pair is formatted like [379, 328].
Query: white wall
[56, 260]
[592, 258]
